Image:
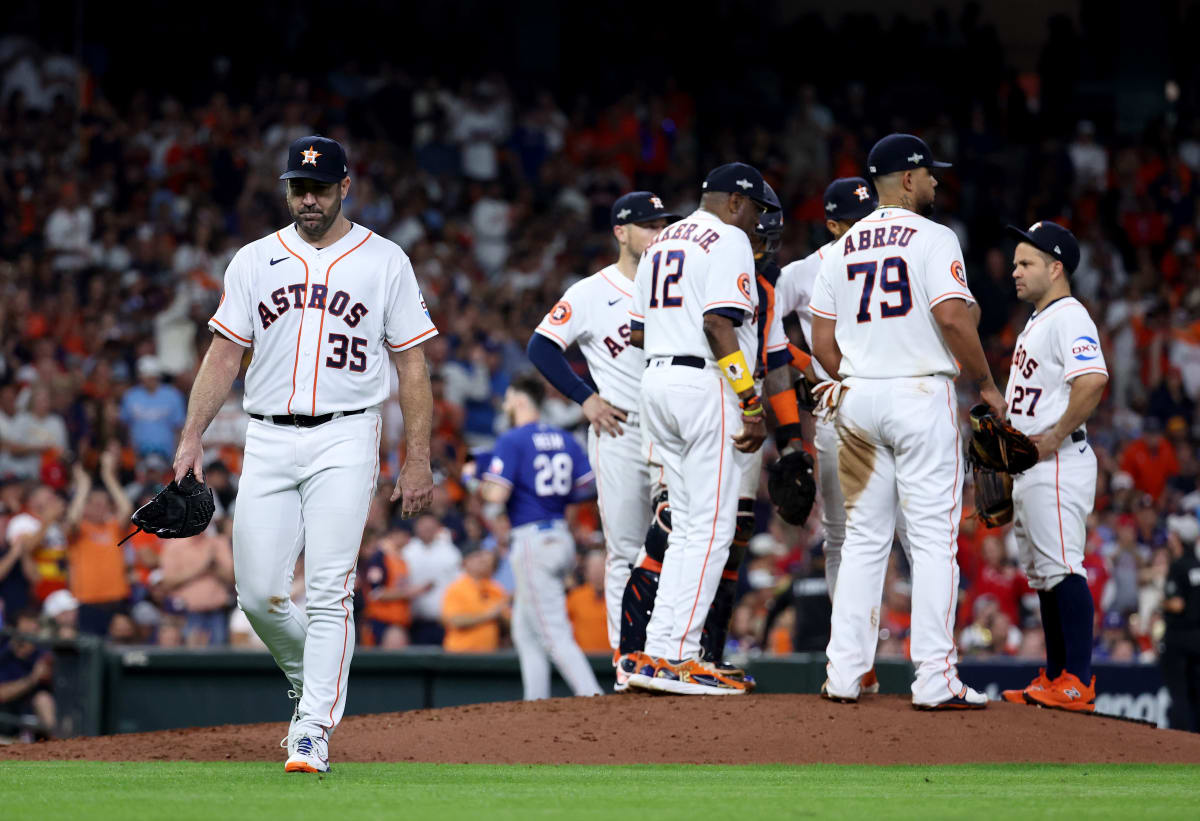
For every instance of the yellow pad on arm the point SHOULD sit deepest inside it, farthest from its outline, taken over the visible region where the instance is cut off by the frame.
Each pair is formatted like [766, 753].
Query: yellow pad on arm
[736, 371]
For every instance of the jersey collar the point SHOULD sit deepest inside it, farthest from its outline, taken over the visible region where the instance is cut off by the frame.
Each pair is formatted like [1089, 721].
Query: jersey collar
[1048, 304]
[355, 232]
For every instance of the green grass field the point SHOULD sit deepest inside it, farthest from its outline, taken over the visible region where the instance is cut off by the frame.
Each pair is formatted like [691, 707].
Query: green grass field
[222, 792]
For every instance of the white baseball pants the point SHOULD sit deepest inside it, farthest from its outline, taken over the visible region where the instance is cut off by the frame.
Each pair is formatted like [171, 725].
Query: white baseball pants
[305, 489]
[543, 553]
[898, 450]
[1051, 503]
[623, 496]
[691, 415]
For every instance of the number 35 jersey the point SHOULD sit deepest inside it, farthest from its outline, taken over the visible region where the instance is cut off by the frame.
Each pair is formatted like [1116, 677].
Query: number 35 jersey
[545, 468]
[1059, 343]
[879, 283]
[321, 322]
[696, 266]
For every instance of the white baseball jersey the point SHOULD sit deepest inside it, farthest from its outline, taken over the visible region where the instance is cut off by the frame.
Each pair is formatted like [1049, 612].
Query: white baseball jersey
[694, 266]
[880, 282]
[793, 293]
[595, 313]
[1059, 343]
[321, 322]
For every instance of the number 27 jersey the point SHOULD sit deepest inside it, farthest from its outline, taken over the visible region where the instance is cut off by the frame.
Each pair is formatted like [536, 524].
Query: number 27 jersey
[1058, 344]
[880, 283]
[543, 466]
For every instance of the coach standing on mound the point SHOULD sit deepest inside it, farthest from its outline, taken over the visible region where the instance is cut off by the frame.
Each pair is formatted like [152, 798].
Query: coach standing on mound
[324, 303]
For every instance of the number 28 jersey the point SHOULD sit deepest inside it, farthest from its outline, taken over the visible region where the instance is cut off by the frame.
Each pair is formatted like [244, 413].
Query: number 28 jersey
[544, 466]
[696, 266]
[321, 322]
[880, 282]
[1058, 344]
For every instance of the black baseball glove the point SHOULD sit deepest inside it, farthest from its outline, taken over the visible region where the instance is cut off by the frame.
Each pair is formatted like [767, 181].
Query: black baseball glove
[791, 486]
[180, 509]
[997, 445]
[993, 493]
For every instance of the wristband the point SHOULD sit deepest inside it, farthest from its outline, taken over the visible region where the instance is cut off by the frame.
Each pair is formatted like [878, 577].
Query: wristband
[736, 371]
[784, 406]
[752, 406]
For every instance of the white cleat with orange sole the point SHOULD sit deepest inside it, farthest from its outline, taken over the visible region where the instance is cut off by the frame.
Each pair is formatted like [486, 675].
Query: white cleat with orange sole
[311, 756]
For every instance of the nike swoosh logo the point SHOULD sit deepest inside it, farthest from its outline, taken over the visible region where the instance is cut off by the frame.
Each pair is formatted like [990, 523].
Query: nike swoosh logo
[614, 301]
[277, 261]
[1082, 449]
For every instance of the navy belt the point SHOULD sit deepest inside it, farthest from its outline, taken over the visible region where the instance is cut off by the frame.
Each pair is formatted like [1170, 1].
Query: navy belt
[304, 421]
[1078, 436]
[688, 361]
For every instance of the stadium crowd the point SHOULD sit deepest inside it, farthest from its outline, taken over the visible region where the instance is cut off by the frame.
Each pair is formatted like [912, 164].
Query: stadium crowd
[118, 217]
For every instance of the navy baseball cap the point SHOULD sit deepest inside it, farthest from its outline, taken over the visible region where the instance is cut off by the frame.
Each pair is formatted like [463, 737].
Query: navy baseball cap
[739, 178]
[901, 152]
[1052, 238]
[849, 199]
[316, 158]
[640, 206]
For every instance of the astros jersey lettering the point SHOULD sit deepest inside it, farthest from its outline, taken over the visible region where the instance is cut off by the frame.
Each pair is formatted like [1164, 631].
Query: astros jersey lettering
[878, 282]
[595, 313]
[793, 293]
[694, 266]
[543, 465]
[1059, 343]
[321, 321]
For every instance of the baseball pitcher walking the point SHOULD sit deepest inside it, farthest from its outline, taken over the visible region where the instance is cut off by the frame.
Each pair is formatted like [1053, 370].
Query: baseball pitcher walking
[323, 303]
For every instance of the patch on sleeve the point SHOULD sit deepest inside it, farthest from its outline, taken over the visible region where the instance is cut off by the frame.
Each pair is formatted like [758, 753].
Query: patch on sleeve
[560, 313]
[956, 271]
[496, 466]
[1085, 348]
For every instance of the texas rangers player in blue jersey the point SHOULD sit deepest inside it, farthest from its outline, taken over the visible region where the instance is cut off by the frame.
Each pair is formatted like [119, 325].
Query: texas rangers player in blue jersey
[535, 472]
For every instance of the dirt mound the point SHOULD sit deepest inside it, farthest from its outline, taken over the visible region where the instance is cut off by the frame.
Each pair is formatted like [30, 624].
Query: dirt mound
[646, 729]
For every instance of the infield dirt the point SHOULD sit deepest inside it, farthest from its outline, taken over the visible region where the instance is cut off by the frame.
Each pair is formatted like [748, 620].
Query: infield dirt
[646, 729]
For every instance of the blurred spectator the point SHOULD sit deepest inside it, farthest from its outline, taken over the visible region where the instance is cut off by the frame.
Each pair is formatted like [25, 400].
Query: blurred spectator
[153, 410]
[586, 609]
[388, 593]
[474, 607]
[37, 536]
[25, 679]
[61, 612]
[197, 583]
[69, 230]
[97, 565]
[37, 436]
[433, 562]
[1150, 459]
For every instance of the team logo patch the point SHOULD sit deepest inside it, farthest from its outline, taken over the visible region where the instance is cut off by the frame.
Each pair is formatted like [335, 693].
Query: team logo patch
[956, 271]
[560, 313]
[1085, 348]
[862, 193]
[310, 156]
[656, 202]
[496, 466]
[744, 285]
[425, 308]
[735, 371]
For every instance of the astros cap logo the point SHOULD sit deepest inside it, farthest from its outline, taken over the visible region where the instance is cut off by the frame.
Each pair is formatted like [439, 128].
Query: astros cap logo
[310, 156]
[656, 202]
[862, 193]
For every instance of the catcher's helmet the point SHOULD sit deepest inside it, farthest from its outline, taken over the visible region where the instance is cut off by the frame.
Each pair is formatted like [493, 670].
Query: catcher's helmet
[770, 226]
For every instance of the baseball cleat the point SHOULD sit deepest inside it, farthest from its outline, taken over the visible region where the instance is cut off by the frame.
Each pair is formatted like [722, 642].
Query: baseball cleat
[869, 683]
[1037, 685]
[645, 668]
[825, 694]
[968, 699]
[288, 742]
[625, 666]
[311, 756]
[1066, 692]
[737, 674]
[690, 677]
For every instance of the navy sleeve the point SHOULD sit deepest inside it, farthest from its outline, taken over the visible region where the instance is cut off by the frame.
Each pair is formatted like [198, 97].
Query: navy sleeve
[549, 360]
[732, 314]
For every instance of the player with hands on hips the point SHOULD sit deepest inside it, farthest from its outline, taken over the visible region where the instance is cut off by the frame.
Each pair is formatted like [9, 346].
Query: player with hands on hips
[536, 471]
[594, 313]
[1056, 381]
[694, 310]
[325, 304]
[893, 319]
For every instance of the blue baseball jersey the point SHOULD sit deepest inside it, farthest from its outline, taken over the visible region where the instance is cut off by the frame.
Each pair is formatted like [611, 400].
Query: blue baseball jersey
[545, 467]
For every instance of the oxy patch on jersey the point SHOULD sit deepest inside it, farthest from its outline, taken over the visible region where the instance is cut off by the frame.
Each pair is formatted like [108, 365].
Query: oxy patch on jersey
[1085, 348]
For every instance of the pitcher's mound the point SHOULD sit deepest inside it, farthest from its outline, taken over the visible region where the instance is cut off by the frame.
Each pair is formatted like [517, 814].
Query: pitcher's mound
[644, 729]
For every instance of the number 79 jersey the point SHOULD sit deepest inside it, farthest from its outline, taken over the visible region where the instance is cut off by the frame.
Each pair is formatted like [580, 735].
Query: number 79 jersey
[545, 468]
[695, 266]
[321, 322]
[879, 283]
[1058, 344]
